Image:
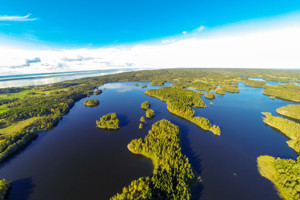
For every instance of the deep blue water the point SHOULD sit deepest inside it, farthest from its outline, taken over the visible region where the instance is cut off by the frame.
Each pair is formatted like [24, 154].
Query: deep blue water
[76, 160]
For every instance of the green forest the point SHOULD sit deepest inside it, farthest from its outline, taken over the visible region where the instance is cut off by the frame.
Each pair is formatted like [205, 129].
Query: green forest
[283, 173]
[4, 187]
[181, 102]
[292, 111]
[145, 105]
[109, 121]
[172, 174]
[289, 128]
[150, 113]
[91, 102]
[254, 83]
[290, 92]
[210, 96]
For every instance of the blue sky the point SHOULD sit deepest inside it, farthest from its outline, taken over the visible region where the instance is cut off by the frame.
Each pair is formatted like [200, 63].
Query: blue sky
[97, 23]
[56, 36]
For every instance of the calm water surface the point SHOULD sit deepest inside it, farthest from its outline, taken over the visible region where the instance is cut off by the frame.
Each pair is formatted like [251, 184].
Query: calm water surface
[76, 160]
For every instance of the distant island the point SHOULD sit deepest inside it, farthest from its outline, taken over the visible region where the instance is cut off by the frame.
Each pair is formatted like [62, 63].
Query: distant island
[109, 121]
[91, 102]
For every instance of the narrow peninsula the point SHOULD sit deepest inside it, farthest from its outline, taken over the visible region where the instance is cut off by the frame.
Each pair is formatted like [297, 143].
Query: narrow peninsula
[172, 175]
[181, 102]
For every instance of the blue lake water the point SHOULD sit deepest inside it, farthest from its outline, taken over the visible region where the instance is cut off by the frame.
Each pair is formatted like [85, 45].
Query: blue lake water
[76, 160]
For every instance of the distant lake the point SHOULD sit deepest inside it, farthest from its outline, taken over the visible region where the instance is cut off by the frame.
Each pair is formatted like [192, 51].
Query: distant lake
[76, 160]
[48, 78]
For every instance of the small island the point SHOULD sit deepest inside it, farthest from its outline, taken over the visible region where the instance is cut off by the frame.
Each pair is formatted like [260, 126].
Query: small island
[136, 84]
[109, 121]
[145, 105]
[210, 96]
[144, 86]
[141, 125]
[97, 92]
[91, 102]
[142, 119]
[150, 113]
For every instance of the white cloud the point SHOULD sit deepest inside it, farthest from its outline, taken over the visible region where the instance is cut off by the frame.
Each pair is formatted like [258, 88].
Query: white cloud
[17, 18]
[272, 47]
[199, 29]
[184, 32]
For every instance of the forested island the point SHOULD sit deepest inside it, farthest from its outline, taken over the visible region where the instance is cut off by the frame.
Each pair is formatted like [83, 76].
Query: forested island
[210, 96]
[284, 173]
[289, 128]
[254, 83]
[292, 111]
[109, 121]
[172, 174]
[181, 102]
[91, 102]
[288, 92]
[26, 111]
[150, 113]
[145, 105]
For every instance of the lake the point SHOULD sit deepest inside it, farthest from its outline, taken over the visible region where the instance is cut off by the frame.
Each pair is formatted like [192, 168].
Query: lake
[76, 160]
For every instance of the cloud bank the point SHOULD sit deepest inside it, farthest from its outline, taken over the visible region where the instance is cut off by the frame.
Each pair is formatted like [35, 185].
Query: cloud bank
[276, 47]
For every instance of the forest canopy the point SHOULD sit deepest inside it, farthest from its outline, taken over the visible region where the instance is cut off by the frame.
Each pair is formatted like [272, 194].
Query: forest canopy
[109, 121]
[172, 174]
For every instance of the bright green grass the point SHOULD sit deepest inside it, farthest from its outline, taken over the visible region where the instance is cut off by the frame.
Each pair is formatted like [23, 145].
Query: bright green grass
[17, 126]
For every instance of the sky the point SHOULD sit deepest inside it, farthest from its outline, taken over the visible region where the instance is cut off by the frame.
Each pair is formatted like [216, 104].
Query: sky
[51, 36]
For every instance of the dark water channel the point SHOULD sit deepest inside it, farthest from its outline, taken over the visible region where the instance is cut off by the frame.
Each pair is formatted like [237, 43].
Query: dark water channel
[76, 160]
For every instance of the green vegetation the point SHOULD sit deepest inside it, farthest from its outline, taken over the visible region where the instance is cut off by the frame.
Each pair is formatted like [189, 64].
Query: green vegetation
[289, 128]
[16, 126]
[150, 113]
[4, 186]
[230, 89]
[97, 92]
[157, 82]
[181, 102]
[289, 92]
[142, 119]
[210, 96]
[254, 83]
[145, 105]
[284, 173]
[199, 92]
[144, 86]
[109, 121]
[172, 174]
[220, 91]
[136, 84]
[292, 111]
[91, 102]
[141, 126]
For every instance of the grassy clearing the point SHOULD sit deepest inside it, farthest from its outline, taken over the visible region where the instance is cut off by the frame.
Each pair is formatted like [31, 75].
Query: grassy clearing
[17, 126]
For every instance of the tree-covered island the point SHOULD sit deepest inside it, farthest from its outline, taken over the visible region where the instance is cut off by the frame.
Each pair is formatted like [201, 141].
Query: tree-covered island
[150, 113]
[210, 96]
[109, 121]
[145, 105]
[91, 102]
[181, 102]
